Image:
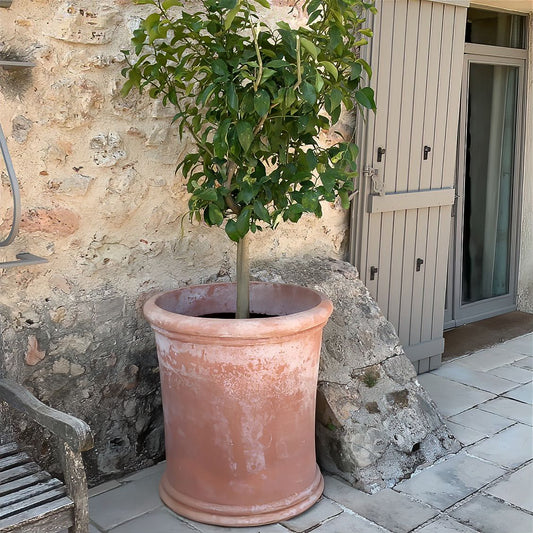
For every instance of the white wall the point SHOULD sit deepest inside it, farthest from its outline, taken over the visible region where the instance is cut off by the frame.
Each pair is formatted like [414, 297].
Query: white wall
[525, 275]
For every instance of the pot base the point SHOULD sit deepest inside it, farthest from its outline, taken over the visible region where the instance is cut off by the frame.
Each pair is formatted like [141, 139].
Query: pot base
[241, 516]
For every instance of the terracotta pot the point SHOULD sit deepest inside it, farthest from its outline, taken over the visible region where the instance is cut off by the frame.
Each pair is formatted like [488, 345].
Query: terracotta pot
[239, 402]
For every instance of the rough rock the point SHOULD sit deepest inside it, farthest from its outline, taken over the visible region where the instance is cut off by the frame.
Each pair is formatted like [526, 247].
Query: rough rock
[375, 423]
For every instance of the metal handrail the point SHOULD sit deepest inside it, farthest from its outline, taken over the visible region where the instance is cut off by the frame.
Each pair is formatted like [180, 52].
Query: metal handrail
[15, 191]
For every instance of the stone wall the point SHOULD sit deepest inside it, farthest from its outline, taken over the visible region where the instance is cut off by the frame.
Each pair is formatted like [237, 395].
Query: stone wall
[102, 203]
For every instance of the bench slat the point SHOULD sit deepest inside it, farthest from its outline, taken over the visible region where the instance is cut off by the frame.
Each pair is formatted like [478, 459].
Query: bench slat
[14, 460]
[48, 517]
[7, 488]
[8, 449]
[18, 472]
[29, 492]
[47, 497]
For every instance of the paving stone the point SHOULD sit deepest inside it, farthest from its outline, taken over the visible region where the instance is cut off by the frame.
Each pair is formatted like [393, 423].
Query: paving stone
[490, 516]
[474, 378]
[510, 448]
[450, 481]
[104, 487]
[158, 521]
[522, 344]
[523, 393]
[513, 373]
[508, 408]
[464, 435]
[322, 510]
[387, 508]
[526, 362]
[516, 488]
[206, 528]
[130, 500]
[489, 358]
[156, 470]
[483, 421]
[348, 523]
[92, 529]
[452, 397]
[445, 525]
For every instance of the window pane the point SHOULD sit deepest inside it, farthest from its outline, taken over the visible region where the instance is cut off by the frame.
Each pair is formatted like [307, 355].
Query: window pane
[496, 29]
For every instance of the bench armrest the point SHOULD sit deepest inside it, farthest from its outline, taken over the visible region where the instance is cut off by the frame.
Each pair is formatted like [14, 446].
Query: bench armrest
[76, 433]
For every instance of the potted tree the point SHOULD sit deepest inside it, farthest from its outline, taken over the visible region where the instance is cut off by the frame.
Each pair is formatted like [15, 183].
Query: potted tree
[239, 362]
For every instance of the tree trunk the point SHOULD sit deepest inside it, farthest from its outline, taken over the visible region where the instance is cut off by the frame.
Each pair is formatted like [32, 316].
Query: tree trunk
[243, 278]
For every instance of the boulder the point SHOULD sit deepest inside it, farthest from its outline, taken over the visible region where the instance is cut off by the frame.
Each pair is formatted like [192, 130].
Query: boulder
[375, 423]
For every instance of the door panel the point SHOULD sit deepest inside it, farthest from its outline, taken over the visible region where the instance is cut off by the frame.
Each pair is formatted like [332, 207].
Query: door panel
[484, 257]
[401, 221]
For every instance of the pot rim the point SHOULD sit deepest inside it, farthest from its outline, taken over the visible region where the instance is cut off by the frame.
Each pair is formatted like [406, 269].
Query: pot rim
[171, 323]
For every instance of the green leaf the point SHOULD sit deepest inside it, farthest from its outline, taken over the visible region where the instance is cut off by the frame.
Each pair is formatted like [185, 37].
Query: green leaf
[308, 92]
[219, 67]
[264, 3]
[331, 68]
[245, 134]
[209, 195]
[336, 98]
[261, 211]
[365, 97]
[231, 15]
[356, 71]
[345, 199]
[231, 230]
[215, 214]
[167, 4]
[335, 37]
[243, 222]
[233, 99]
[261, 102]
[310, 47]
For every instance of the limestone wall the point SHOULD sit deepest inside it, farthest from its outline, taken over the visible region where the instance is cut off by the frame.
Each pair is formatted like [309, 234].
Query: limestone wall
[102, 203]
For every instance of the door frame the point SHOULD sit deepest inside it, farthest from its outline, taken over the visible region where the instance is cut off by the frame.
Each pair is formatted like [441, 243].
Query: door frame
[456, 313]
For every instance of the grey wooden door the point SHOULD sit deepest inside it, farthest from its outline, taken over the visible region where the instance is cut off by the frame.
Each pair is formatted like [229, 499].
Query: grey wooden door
[401, 218]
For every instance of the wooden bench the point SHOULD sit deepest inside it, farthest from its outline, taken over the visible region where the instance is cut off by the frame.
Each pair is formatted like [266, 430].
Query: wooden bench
[31, 501]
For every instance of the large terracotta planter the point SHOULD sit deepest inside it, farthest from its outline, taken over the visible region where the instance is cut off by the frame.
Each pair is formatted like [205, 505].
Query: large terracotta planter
[239, 402]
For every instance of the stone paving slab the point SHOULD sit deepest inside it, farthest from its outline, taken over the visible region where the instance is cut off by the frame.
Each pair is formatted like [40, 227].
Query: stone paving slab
[508, 408]
[450, 481]
[510, 448]
[482, 421]
[158, 521]
[130, 500]
[206, 528]
[474, 378]
[104, 487]
[487, 515]
[523, 394]
[513, 373]
[516, 488]
[387, 508]
[464, 435]
[321, 511]
[489, 358]
[452, 397]
[523, 344]
[445, 525]
[348, 523]
[526, 362]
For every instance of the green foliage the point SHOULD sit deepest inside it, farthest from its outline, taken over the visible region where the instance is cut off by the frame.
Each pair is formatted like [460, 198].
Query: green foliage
[255, 100]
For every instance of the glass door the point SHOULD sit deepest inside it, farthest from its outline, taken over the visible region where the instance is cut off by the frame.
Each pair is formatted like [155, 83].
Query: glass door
[483, 264]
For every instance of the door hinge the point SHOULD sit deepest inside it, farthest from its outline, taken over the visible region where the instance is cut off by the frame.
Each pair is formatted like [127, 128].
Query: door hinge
[378, 187]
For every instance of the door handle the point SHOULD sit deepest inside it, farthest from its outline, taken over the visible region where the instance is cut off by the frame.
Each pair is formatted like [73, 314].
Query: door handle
[373, 272]
[419, 263]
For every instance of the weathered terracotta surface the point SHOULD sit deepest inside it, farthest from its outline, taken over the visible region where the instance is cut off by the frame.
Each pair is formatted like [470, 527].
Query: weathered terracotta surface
[239, 402]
